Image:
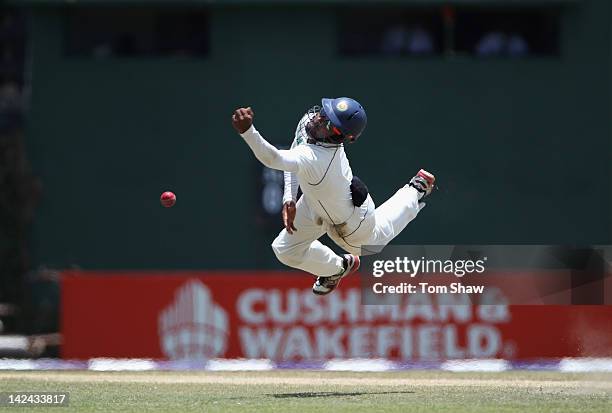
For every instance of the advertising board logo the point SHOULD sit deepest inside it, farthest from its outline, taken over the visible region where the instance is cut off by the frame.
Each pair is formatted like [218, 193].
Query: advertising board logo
[193, 326]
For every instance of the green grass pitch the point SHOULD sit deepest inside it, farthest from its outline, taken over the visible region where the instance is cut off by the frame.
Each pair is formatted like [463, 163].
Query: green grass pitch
[314, 391]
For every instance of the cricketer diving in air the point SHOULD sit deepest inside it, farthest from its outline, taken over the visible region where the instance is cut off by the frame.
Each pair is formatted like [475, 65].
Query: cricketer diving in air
[334, 201]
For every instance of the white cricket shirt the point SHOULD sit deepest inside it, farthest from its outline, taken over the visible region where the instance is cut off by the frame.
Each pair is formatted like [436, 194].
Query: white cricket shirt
[322, 172]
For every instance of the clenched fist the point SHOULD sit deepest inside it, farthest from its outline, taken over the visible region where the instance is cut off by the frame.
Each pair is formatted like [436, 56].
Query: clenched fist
[242, 119]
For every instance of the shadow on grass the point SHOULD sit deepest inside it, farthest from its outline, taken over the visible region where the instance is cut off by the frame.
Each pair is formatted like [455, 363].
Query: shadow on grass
[331, 394]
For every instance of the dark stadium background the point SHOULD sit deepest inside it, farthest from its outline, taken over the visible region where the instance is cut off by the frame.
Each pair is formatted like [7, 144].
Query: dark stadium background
[122, 100]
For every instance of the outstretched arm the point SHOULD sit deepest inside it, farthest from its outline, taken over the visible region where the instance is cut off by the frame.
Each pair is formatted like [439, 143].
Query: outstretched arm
[242, 121]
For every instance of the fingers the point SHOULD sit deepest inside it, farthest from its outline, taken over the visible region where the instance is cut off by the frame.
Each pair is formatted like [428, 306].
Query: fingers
[291, 210]
[288, 221]
[285, 216]
[288, 225]
[288, 217]
[243, 113]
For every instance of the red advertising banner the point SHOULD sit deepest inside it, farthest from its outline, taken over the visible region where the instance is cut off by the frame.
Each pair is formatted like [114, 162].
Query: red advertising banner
[175, 315]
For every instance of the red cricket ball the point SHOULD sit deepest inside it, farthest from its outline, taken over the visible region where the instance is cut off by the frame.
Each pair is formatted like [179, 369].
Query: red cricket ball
[167, 199]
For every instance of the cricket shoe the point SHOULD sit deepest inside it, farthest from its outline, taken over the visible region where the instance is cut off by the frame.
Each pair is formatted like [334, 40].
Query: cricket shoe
[423, 182]
[325, 285]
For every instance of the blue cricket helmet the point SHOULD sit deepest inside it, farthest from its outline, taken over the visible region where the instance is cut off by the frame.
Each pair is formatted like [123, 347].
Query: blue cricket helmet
[347, 115]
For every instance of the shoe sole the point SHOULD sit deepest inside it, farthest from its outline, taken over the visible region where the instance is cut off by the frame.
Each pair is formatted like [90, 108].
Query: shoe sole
[356, 265]
[354, 269]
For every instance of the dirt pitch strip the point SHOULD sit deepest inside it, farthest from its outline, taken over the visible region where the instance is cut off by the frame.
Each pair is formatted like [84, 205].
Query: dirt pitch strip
[319, 391]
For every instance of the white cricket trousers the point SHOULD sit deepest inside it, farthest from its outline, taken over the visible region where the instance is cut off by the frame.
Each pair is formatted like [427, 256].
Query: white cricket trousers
[367, 226]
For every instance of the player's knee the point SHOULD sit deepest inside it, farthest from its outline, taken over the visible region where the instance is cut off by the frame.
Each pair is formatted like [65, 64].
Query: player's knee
[282, 252]
[285, 257]
[289, 253]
